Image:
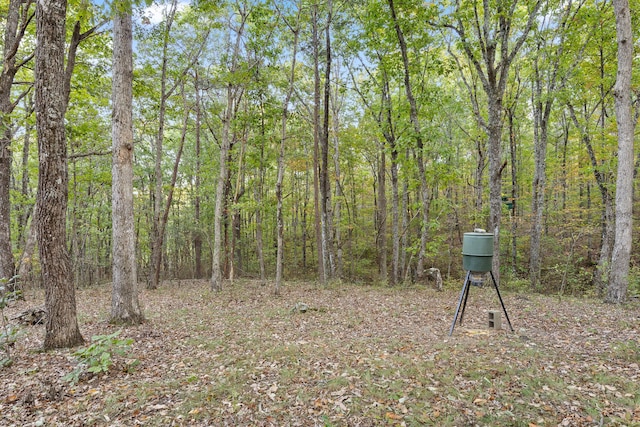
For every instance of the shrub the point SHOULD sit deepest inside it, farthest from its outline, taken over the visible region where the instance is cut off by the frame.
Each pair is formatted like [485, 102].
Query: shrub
[98, 356]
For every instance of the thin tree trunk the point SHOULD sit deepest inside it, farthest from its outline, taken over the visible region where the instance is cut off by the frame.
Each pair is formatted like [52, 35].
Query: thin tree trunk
[417, 129]
[316, 145]
[281, 157]
[26, 259]
[19, 15]
[339, 195]
[381, 214]
[235, 260]
[513, 145]
[539, 181]
[197, 235]
[25, 181]
[162, 226]
[328, 260]
[258, 191]
[233, 95]
[608, 210]
[157, 239]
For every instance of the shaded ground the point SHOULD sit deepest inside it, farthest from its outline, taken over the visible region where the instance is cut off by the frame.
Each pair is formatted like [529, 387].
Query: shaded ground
[360, 356]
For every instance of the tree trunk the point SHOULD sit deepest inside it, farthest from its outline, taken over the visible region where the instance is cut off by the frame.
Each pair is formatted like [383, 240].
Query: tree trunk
[619, 278]
[328, 261]
[608, 210]
[25, 187]
[339, 195]
[233, 95]
[491, 55]
[513, 145]
[26, 259]
[539, 179]
[157, 238]
[18, 17]
[125, 307]
[316, 144]
[495, 177]
[197, 234]
[281, 156]
[60, 301]
[235, 260]
[381, 214]
[216, 267]
[415, 121]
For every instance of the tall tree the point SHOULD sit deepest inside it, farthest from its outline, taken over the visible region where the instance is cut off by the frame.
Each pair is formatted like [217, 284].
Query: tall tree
[19, 15]
[157, 238]
[619, 278]
[294, 27]
[417, 131]
[125, 307]
[491, 38]
[548, 56]
[167, 90]
[234, 92]
[50, 105]
[315, 43]
[197, 234]
[326, 216]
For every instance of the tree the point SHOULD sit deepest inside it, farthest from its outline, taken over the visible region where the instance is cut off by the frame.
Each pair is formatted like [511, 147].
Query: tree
[125, 307]
[486, 30]
[548, 77]
[295, 29]
[50, 105]
[618, 279]
[326, 218]
[417, 129]
[19, 15]
[233, 92]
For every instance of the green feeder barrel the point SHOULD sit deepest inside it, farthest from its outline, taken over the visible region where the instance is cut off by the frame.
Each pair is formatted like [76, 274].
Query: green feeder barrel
[477, 252]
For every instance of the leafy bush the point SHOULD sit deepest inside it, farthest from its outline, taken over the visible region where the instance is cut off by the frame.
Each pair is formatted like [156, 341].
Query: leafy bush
[98, 357]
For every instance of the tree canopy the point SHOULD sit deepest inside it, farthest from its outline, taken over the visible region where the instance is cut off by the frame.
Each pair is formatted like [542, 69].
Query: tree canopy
[335, 140]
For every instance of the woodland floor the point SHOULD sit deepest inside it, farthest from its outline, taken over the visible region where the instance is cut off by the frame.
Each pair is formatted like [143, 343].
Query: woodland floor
[361, 356]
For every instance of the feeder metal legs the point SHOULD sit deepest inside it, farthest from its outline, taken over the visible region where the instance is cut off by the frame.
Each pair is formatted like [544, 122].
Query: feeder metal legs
[464, 295]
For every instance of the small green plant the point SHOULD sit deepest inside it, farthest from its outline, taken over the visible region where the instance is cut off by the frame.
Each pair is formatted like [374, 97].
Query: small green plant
[98, 357]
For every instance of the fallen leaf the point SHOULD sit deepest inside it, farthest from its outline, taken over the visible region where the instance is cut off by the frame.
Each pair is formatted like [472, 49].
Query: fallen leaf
[393, 416]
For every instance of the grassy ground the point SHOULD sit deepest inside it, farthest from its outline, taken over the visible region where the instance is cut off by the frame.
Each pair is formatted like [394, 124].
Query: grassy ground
[360, 356]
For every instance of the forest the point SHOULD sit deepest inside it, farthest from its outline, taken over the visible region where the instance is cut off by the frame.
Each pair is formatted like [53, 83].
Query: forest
[333, 140]
[265, 191]
[342, 141]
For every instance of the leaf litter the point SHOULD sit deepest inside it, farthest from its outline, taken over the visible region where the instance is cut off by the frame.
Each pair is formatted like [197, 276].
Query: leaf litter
[355, 356]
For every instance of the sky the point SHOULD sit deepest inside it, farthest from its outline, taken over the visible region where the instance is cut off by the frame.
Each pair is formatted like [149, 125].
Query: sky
[155, 11]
